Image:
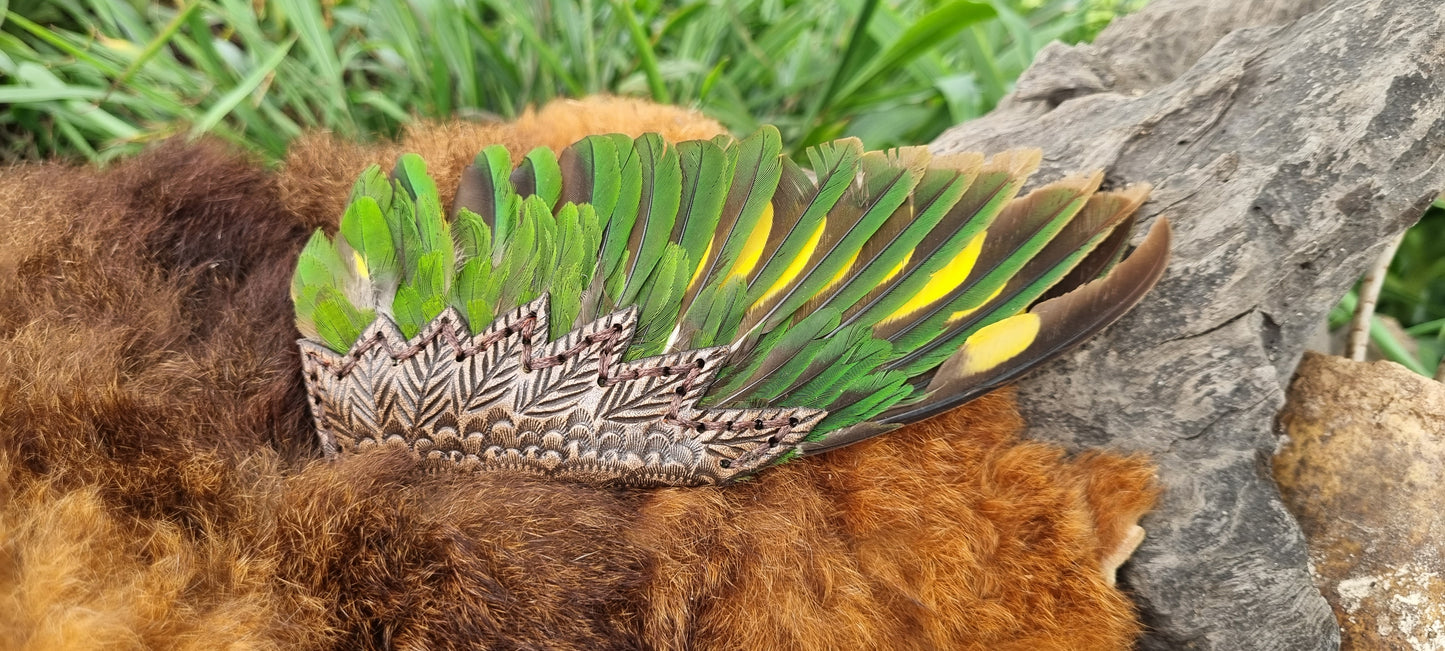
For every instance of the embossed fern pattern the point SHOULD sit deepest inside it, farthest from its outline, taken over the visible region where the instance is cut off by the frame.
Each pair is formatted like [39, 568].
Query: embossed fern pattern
[569, 407]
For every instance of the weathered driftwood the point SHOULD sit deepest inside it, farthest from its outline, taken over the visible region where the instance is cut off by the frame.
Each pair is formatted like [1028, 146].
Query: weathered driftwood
[1287, 156]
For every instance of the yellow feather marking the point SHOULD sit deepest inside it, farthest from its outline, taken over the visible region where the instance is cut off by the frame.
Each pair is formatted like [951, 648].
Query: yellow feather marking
[796, 267]
[842, 273]
[753, 249]
[954, 318]
[903, 263]
[361, 265]
[942, 281]
[707, 253]
[997, 343]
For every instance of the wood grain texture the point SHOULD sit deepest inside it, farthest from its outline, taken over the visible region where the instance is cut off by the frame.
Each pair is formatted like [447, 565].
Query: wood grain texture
[1286, 156]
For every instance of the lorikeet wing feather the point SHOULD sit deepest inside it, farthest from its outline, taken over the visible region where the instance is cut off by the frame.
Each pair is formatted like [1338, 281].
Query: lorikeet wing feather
[879, 287]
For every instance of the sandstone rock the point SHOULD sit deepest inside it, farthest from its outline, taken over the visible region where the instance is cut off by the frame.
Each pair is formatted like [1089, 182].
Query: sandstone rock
[1363, 468]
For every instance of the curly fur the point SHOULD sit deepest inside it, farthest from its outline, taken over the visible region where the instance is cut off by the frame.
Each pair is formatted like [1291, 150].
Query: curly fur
[160, 487]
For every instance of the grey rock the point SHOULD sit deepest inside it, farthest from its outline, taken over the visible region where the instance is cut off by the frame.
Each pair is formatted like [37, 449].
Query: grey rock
[1286, 154]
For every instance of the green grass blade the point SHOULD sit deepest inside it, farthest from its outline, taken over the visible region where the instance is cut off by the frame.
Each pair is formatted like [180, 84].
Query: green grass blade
[153, 47]
[927, 32]
[233, 97]
[645, 53]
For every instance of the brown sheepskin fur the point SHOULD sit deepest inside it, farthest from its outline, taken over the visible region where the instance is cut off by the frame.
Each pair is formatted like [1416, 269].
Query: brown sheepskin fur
[160, 486]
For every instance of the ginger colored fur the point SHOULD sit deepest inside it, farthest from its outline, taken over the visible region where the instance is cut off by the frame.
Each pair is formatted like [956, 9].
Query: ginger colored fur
[160, 486]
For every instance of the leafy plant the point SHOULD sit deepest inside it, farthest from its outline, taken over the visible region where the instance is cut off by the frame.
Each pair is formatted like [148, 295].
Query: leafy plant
[100, 78]
[1414, 294]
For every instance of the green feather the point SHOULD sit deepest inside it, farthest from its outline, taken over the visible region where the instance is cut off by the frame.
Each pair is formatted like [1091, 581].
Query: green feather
[406, 310]
[432, 229]
[726, 307]
[471, 237]
[432, 307]
[829, 359]
[885, 186]
[539, 174]
[935, 194]
[496, 198]
[431, 276]
[660, 305]
[530, 270]
[364, 229]
[338, 322]
[1028, 226]
[579, 235]
[754, 169]
[410, 172]
[731, 319]
[779, 358]
[520, 258]
[736, 372]
[571, 243]
[612, 285]
[705, 171]
[479, 314]
[470, 287]
[536, 210]
[492, 291]
[591, 226]
[802, 205]
[624, 212]
[592, 174]
[657, 212]
[876, 393]
[427, 288]
[856, 365]
[971, 215]
[318, 266]
[757, 166]
[401, 221]
[781, 379]
[373, 183]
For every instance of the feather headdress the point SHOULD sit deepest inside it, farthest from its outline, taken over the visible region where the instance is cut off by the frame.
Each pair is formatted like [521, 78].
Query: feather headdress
[643, 312]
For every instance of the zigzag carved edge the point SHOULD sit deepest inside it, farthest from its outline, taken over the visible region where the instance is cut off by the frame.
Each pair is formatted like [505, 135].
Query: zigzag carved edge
[612, 332]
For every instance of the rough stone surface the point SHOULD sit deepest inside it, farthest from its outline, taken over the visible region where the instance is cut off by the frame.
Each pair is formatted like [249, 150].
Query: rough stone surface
[1363, 468]
[1286, 156]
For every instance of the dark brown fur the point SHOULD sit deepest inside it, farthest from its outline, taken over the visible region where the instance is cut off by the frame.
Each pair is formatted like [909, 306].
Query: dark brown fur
[159, 486]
